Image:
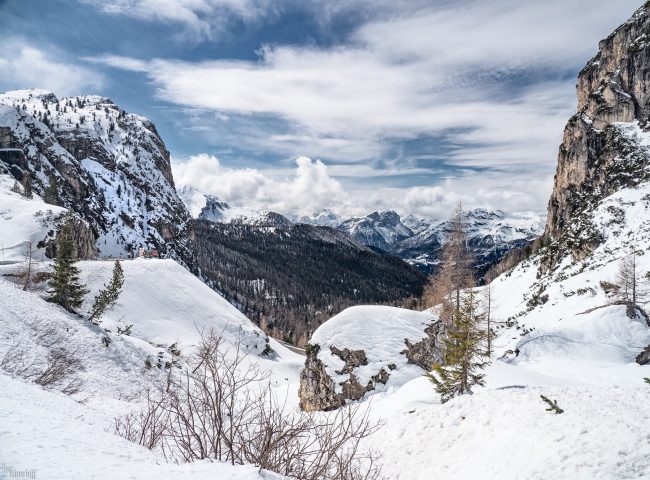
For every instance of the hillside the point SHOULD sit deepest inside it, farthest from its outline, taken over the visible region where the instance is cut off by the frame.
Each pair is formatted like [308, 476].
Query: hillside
[563, 318]
[292, 278]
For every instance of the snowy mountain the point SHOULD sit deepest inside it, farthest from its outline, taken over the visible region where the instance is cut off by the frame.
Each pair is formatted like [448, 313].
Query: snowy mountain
[109, 166]
[324, 218]
[381, 230]
[491, 235]
[208, 207]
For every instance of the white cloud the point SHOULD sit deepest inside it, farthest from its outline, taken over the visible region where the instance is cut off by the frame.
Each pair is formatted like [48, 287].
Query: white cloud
[202, 18]
[23, 65]
[309, 189]
[488, 78]
[424, 71]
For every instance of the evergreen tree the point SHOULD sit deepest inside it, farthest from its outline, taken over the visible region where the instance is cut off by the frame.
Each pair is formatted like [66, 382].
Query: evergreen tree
[108, 295]
[462, 350]
[16, 188]
[27, 186]
[51, 192]
[64, 283]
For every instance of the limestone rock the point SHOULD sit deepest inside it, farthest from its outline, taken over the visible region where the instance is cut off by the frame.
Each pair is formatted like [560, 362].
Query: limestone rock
[597, 156]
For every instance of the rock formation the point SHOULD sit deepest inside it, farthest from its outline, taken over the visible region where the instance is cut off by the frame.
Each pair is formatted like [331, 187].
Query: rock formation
[599, 155]
[365, 349]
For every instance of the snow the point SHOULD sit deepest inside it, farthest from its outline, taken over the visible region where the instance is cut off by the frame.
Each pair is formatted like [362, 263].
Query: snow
[48, 435]
[22, 220]
[381, 333]
[167, 304]
[496, 434]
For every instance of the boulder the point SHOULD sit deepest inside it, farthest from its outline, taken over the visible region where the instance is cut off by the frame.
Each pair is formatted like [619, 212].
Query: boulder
[365, 349]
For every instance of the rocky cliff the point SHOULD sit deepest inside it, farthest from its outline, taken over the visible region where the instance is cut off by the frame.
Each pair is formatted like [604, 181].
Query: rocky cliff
[109, 166]
[603, 149]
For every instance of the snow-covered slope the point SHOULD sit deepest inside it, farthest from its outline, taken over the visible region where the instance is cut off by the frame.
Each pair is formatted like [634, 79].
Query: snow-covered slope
[22, 221]
[111, 167]
[166, 304]
[110, 371]
[48, 435]
[506, 433]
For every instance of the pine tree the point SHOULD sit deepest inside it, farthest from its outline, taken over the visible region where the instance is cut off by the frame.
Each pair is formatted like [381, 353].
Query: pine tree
[462, 350]
[108, 295]
[27, 186]
[64, 283]
[51, 192]
[16, 188]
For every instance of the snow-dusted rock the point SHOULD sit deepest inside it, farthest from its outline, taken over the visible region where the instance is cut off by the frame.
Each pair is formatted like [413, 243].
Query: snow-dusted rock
[112, 168]
[364, 349]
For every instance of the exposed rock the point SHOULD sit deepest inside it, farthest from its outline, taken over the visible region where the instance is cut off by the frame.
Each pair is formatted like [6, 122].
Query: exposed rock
[317, 390]
[337, 375]
[427, 351]
[111, 168]
[644, 357]
[598, 155]
[83, 239]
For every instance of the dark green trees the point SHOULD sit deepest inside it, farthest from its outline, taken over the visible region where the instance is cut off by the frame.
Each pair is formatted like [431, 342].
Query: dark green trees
[108, 295]
[463, 350]
[65, 288]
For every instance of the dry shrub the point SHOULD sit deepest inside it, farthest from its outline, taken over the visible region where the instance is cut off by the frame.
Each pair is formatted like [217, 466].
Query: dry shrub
[222, 408]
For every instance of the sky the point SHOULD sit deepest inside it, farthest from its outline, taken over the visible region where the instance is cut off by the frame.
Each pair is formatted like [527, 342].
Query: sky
[350, 106]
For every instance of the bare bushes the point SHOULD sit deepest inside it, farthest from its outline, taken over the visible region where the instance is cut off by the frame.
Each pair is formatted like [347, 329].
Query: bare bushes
[58, 371]
[222, 407]
[46, 361]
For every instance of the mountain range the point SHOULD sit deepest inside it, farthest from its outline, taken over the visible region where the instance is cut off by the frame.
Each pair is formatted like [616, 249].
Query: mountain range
[491, 234]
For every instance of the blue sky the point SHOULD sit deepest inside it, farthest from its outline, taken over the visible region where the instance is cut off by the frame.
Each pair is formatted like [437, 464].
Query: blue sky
[410, 105]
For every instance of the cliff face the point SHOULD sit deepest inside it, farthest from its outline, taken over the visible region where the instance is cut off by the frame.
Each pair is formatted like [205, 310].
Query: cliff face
[108, 166]
[602, 149]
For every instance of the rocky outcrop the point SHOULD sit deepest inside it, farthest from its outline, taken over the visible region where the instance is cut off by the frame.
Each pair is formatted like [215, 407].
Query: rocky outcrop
[427, 351]
[85, 246]
[346, 374]
[599, 155]
[110, 167]
[644, 357]
[318, 391]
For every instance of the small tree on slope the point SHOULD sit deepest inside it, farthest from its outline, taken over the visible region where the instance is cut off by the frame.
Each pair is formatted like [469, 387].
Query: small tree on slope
[463, 352]
[455, 272]
[107, 296]
[64, 283]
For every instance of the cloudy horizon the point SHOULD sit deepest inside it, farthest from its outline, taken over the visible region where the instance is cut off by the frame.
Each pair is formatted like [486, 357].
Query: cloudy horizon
[346, 106]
